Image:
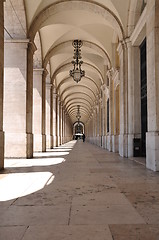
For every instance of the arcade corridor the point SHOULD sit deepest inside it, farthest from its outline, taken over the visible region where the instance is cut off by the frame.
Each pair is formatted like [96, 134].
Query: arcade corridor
[78, 191]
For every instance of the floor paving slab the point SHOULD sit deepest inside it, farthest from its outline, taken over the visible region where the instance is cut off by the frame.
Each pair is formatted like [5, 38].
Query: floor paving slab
[78, 191]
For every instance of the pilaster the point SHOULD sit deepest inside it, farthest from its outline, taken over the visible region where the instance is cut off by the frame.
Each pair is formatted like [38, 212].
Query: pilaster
[17, 100]
[37, 108]
[48, 112]
[54, 117]
[152, 137]
[134, 96]
[29, 99]
[1, 83]
[57, 121]
[115, 136]
[44, 75]
[123, 137]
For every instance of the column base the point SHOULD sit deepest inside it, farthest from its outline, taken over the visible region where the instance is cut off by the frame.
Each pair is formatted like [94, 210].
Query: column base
[29, 150]
[105, 142]
[1, 150]
[152, 150]
[96, 140]
[115, 143]
[109, 143]
[99, 141]
[37, 142]
[123, 145]
[130, 145]
[43, 143]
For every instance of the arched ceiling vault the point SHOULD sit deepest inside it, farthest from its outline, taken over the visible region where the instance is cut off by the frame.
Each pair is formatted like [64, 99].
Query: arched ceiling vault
[89, 81]
[81, 107]
[95, 23]
[62, 47]
[67, 66]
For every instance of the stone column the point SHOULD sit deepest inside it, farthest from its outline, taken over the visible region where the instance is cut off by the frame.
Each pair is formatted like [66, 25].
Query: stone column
[51, 117]
[123, 137]
[111, 115]
[130, 101]
[152, 136]
[54, 117]
[57, 121]
[93, 125]
[115, 138]
[16, 99]
[1, 84]
[100, 122]
[97, 124]
[134, 99]
[48, 111]
[44, 110]
[63, 125]
[104, 122]
[105, 115]
[37, 108]
[29, 99]
[61, 122]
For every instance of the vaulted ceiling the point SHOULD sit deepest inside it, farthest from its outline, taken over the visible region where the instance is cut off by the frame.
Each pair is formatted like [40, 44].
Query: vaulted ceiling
[53, 25]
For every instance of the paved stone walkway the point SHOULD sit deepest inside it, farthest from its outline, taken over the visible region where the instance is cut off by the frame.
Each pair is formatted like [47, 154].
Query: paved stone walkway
[78, 192]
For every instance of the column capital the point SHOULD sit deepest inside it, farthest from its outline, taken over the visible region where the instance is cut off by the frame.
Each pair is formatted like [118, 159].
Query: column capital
[103, 87]
[54, 95]
[116, 80]
[45, 72]
[105, 90]
[121, 47]
[48, 85]
[32, 47]
[128, 42]
[38, 70]
[61, 103]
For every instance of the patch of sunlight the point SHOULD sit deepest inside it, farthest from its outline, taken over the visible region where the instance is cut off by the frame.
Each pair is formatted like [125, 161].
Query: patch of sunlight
[50, 154]
[32, 162]
[16, 185]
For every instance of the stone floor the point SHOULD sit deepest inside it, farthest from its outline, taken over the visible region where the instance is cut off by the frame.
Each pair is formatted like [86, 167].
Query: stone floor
[78, 192]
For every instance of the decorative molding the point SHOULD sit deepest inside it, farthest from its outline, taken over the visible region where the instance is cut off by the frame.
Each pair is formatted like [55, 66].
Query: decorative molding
[16, 41]
[38, 70]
